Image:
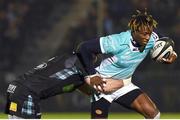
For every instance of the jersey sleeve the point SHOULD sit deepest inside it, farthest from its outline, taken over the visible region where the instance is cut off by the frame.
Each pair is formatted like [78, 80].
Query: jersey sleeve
[110, 44]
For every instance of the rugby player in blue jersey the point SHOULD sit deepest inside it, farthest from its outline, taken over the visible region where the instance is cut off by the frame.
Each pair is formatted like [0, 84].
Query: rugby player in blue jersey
[127, 49]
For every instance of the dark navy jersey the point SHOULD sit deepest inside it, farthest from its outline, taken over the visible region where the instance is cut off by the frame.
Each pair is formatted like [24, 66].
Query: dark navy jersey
[49, 78]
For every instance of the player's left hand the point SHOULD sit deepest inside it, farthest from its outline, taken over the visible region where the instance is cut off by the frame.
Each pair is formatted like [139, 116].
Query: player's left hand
[170, 59]
[96, 82]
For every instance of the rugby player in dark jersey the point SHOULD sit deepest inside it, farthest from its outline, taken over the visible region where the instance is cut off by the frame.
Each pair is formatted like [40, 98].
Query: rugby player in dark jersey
[57, 75]
[60, 74]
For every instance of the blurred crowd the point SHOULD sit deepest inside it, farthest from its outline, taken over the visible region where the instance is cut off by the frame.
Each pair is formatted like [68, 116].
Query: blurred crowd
[21, 21]
[118, 12]
[12, 15]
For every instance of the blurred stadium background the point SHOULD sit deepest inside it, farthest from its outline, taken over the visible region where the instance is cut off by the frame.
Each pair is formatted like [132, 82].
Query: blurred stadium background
[31, 31]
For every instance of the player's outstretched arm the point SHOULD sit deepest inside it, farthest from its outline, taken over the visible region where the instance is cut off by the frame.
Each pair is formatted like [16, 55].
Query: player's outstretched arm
[85, 54]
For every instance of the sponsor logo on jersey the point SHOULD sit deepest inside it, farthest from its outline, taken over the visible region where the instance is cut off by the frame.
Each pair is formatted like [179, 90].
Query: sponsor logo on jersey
[41, 66]
[11, 88]
[13, 106]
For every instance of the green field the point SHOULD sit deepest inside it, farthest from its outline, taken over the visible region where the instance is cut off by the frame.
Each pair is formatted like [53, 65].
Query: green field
[111, 116]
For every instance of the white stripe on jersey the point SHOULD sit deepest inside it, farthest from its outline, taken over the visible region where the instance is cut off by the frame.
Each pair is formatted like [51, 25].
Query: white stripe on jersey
[155, 36]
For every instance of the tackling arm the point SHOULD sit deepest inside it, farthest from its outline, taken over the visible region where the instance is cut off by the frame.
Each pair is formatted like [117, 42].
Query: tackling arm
[85, 53]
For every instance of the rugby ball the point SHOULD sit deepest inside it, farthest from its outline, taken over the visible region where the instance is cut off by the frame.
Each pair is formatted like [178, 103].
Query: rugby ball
[163, 48]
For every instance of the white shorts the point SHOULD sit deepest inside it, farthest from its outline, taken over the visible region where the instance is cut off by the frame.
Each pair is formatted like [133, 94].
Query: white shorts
[115, 95]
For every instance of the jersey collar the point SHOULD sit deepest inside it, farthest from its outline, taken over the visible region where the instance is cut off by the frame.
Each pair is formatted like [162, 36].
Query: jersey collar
[134, 46]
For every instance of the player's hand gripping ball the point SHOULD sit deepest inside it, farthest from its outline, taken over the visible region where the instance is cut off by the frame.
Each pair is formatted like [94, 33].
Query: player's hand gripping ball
[163, 48]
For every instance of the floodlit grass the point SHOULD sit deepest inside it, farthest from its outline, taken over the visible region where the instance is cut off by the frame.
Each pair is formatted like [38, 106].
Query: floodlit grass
[86, 115]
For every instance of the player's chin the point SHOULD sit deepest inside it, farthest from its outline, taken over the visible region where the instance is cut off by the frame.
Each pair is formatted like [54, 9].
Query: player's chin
[144, 43]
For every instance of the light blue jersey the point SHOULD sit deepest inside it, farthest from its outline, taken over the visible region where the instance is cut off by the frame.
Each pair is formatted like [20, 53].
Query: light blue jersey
[126, 57]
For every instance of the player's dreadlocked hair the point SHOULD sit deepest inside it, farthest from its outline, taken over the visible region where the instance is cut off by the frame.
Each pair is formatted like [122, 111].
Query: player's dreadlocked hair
[141, 19]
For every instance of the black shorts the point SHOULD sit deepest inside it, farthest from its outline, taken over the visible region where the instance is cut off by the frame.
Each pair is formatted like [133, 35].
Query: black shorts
[128, 98]
[100, 108]
[22, 102]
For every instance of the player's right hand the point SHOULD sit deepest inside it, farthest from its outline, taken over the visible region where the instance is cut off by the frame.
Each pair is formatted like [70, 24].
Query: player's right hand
[96, 82]
[170, 59]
